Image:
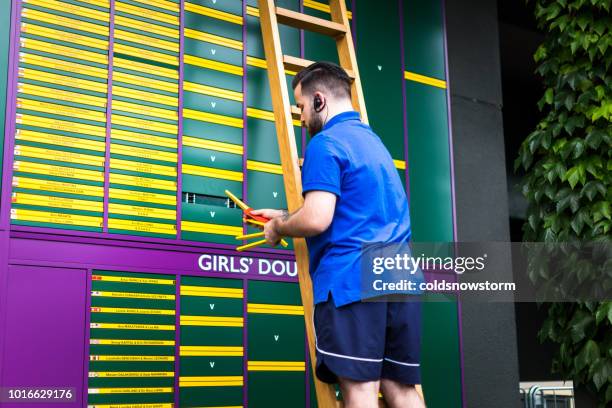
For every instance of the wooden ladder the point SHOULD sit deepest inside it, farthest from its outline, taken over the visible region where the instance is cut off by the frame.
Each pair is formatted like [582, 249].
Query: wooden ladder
[339, 29]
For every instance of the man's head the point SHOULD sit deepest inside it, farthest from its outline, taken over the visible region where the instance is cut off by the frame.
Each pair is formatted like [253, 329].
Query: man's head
[317, 89]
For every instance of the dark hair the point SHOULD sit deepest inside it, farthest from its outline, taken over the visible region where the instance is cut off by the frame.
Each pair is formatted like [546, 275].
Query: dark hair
[325, 75]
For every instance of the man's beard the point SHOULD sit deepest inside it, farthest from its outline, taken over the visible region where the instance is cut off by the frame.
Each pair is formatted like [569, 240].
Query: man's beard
[315, 124]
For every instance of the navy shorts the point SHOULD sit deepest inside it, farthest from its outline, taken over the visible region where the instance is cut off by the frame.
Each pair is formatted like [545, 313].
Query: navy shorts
[367, 341]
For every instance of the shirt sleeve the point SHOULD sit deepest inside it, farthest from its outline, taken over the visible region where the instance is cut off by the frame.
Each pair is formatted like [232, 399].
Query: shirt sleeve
[322, 168]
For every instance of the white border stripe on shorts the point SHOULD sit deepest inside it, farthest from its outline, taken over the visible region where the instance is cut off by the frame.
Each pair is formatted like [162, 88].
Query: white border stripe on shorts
[371, 360]
[406, 364]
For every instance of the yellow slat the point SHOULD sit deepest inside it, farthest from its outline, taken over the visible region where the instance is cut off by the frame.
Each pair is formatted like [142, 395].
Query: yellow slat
[100, 3]
[54, 63]
[58, 155]
[151, 390]
[48, 18]
[141, 53]
[57, 124]
[131, 342]
[128, 310]
[400, 164]
[131, 326]
[56, 202]
[154, 405]
[212, 384]
[315, 5]
[71, 9]
[146, 82]
[58, 171]
[265, 167]
[57, 186]
[142, 196]
[143, 138]
[211, 321]
[59, 35]
[252, 11]
[132, 295]
[61, 95]
[55, 218]
[144, 124]
[212, 172]
[126, 209]
[148, 68]
[138, 181]
[63, 110]
[275, 307]
[210, 289]
[59, 140]
[210, 64]
[207, 228]
[146, 40]
[214, 39]
[212, 294]
[148, 27]
[145, 110]
[130, 358]
[212, 145]
[142, 226]
[119, 90]
[210, 12]
[411, 76]
[38, 45]
[213, 118]
[133, 279]
[212, 91]
[63, 80]
[130, 374]
[166, 5]
[140, 167]
[143, 12]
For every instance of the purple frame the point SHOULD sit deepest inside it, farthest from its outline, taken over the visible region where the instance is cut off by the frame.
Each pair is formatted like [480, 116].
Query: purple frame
[18, 235]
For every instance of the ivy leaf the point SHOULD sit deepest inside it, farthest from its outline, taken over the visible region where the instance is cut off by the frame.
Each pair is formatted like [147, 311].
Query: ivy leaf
[540, 53]
[580, 321]
[604, 310]
[548, 96]
[575, 174]
[594, 138]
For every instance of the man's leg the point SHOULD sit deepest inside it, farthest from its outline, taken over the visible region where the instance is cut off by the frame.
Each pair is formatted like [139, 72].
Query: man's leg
[359, 394]
[399, 395]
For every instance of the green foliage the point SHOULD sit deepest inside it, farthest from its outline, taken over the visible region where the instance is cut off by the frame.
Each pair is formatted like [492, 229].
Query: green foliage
[568, 180]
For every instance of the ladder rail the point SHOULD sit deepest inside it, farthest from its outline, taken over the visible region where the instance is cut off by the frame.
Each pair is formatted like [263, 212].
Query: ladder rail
[326, 396]
[338, 28]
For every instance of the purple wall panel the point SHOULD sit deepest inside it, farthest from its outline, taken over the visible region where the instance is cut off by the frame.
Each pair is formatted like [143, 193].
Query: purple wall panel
[45, 315]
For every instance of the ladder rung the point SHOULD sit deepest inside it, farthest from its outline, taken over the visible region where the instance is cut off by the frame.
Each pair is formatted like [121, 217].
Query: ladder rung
[297, 64]
[296, 113]
[310, 23]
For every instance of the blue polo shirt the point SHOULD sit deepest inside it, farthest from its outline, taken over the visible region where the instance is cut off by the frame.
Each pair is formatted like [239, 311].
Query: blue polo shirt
[348, 159]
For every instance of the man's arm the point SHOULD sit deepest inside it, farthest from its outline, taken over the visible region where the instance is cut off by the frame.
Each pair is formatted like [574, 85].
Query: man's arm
[313, 218]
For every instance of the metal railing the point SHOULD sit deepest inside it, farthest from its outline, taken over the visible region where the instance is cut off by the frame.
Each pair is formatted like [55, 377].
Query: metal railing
[547, 397]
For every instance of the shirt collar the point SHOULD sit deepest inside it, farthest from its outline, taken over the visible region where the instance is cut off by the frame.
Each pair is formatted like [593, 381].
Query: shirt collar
[341, 117]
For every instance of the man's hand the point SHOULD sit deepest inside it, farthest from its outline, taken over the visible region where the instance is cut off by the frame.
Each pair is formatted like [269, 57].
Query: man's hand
[272, 236]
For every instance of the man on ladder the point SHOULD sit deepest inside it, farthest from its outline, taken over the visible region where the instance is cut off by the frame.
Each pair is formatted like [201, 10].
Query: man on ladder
[352, 195]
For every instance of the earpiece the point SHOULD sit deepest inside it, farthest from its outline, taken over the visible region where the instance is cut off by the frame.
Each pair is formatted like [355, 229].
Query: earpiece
[318, 104]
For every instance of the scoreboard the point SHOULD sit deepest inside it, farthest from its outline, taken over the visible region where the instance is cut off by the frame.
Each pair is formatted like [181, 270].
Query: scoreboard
[134, 117]
[126, 121]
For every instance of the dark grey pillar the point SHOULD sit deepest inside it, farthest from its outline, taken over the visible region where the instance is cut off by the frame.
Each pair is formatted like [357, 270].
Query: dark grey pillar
[489, 334]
